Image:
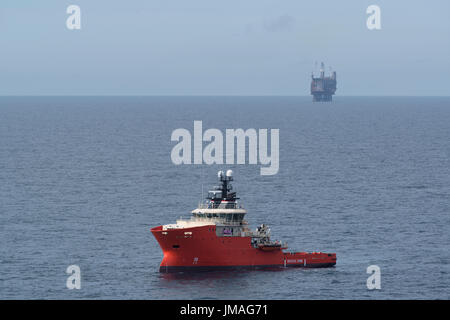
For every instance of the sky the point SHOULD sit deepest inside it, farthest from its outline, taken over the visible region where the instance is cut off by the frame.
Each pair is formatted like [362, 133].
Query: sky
[216, 47]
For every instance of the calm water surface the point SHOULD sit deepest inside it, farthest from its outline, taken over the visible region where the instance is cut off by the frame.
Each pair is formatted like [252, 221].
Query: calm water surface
[82, 180]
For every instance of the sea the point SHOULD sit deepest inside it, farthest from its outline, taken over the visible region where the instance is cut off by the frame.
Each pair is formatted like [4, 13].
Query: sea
[83, 179]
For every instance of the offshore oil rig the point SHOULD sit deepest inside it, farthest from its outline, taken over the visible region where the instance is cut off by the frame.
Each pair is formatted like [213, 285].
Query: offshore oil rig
[323, 88]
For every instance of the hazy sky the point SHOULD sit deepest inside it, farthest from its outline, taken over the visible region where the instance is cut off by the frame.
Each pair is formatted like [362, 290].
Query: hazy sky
[217, 47]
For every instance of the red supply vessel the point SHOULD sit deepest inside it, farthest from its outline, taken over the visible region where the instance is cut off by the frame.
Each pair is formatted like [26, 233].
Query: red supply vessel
[218, 237]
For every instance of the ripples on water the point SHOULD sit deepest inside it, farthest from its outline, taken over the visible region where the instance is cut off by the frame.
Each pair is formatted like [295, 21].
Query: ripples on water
[82, 180]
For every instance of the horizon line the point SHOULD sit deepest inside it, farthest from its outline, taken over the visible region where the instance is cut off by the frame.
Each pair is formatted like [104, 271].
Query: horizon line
[209, 95]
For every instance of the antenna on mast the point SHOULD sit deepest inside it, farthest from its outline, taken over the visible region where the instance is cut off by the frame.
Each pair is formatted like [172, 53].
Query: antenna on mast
[201, 178]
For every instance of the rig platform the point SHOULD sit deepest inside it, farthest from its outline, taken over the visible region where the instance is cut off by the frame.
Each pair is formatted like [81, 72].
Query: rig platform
[323, 88]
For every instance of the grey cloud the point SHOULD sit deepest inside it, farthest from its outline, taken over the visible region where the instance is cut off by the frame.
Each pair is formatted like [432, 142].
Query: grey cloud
[282, 23]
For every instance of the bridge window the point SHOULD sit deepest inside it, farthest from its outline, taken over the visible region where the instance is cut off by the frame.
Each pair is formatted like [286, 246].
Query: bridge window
[215, 195]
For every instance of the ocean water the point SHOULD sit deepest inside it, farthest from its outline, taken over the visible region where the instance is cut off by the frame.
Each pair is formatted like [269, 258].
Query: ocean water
[83, 179]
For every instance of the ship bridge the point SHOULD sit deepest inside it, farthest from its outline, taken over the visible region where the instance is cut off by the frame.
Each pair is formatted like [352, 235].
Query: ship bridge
[221, 204]
[222, 210]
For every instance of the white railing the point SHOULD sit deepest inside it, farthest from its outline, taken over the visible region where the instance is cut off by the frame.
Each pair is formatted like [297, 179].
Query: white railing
[220, 206]
[215, 219]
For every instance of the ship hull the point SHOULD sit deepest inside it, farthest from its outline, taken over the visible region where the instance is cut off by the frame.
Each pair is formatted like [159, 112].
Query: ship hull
[200, 249]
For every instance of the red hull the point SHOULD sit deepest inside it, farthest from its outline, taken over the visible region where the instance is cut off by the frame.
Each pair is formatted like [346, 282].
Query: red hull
[199, 248]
